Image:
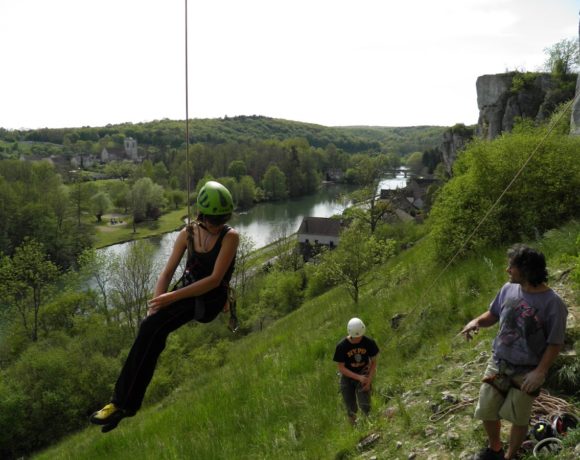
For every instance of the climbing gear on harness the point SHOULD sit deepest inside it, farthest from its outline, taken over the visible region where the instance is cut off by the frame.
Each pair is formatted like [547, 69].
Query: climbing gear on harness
[214, 199]
[355, 327]
[503, 380]
[496, 381]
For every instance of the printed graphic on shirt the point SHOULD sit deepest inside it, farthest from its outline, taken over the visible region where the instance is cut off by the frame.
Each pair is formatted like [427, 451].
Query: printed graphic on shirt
[357, 353]
[520, 325]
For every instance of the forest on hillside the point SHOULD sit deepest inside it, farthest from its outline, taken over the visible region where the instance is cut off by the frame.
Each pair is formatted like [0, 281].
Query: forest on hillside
[165, 134]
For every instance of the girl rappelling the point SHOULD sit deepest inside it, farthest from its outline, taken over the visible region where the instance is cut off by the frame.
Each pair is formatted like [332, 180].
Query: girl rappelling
[200, 295]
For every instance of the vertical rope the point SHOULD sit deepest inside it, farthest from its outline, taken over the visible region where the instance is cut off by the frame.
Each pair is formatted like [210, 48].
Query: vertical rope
[187, 124]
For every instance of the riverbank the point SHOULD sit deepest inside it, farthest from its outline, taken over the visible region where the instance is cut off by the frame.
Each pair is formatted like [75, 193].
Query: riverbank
[118, 228]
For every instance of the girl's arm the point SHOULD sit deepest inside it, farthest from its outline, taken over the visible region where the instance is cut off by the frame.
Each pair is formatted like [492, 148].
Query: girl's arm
[225, 257]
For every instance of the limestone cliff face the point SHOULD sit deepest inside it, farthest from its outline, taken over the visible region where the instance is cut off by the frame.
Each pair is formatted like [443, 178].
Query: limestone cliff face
[454, 140]
[502, 98]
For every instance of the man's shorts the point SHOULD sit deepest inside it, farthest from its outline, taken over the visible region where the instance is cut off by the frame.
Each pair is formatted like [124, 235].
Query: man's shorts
[503, 400]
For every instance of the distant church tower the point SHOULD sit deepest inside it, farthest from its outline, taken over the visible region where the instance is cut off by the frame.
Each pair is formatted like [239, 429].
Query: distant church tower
[131, 148]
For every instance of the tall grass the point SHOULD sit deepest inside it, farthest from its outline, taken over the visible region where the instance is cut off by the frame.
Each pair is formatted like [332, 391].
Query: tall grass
[276, 396]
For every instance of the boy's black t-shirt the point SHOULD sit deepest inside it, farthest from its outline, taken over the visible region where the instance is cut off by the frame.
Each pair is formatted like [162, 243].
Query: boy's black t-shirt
[356, 356]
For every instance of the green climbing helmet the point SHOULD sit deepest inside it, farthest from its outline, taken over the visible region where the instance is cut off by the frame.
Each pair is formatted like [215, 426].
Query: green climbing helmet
[214, 199]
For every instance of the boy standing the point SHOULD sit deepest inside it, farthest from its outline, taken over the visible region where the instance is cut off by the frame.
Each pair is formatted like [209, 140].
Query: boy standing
[357, 364]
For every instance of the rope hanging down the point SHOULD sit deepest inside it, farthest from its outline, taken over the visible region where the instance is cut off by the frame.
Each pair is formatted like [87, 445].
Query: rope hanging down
[187, 124]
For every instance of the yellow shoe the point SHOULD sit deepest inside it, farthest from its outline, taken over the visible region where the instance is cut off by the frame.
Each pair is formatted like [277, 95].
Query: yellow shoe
[108, 414]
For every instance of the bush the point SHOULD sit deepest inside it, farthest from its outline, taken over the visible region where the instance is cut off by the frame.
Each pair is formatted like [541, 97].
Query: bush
[541, 198]
[50, 391]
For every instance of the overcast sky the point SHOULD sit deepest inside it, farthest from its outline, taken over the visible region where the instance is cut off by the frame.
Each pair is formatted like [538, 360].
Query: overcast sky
[70, 63]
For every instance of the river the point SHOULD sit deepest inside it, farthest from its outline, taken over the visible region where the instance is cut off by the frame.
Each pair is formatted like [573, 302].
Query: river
[266, 222]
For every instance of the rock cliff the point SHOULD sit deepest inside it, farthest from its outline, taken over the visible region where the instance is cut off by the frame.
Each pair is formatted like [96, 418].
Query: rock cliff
[454, 140]
[502, 98]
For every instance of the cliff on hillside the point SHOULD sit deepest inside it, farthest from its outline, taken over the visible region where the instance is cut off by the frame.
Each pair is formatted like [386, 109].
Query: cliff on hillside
[454, 140]
[504, 97]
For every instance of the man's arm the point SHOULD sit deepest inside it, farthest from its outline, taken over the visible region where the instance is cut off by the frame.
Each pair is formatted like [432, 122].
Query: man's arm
[486, 319]
[534, 379]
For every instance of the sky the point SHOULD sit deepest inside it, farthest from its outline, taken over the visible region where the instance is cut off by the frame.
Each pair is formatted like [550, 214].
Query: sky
[71, 63]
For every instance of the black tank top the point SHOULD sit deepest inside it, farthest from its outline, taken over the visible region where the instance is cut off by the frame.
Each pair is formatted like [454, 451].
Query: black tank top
[201, 264]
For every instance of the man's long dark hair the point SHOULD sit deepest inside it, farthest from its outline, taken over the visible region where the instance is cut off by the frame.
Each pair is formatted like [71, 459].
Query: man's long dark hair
[531, 263]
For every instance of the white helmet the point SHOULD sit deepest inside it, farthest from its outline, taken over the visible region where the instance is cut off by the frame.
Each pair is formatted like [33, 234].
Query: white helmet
[356, 328]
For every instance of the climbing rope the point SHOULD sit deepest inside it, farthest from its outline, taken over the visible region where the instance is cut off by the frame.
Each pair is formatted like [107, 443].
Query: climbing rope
[493, 206]
[187, 123]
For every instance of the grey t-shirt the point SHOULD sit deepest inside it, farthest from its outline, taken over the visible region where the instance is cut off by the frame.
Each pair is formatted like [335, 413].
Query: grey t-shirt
[528, 322]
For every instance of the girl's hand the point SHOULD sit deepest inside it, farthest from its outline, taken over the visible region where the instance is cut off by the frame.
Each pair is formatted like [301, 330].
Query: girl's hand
[159, 302]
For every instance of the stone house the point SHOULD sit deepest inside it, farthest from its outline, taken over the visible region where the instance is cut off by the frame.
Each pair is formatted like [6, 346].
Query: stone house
[318, 231]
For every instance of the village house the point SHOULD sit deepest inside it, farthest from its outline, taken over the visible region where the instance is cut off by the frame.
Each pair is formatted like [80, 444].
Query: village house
[315, 232]
[408, 202]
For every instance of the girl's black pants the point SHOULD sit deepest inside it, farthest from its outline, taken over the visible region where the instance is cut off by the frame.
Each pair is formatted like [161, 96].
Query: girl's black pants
[140, 365]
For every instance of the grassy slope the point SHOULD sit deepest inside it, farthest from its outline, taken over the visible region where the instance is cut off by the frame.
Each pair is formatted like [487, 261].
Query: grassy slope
[277, 395]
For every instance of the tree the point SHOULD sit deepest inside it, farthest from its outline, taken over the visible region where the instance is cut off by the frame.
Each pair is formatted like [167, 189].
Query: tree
[145, 198]
[562, 57]
[415, 162]
[100, 204]
[160, 173]
[134, 275]
[274, 183]
[237, 169]
[351, 263]
[119, 193]
[246, 192]
[368, 172]
[26, 278]
[176, 197]
[98, 266]
[241, 272]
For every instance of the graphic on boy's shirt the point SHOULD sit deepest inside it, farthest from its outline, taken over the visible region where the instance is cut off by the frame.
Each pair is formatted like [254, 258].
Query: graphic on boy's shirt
[357, 353]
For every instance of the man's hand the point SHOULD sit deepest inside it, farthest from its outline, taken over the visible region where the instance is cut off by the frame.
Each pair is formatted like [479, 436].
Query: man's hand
[533, 380]
[470, 328]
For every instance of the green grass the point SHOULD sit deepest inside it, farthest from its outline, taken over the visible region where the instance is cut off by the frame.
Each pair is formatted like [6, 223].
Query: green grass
[107, 234]
[277, 396]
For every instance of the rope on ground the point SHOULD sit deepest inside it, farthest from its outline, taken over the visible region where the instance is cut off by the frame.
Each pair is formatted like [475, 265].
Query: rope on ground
[548, 406]
[453, 408]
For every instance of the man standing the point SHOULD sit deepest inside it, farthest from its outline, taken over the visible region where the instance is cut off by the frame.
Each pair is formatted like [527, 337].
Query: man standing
[357, 364]
[532, 325]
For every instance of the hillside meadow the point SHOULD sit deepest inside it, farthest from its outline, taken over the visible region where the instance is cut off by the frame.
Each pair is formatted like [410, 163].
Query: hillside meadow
[276, 395]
